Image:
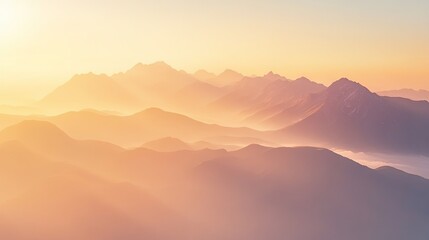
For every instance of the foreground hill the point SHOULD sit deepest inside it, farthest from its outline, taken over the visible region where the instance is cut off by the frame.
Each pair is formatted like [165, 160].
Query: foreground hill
[302, 193]
[43, 199]
[306, 193]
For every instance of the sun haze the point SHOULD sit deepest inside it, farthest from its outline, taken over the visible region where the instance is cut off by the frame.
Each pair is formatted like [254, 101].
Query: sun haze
[382, 44]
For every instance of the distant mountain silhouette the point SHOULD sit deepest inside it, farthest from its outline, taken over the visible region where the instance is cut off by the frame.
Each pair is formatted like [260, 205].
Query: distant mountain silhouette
[347, 115]
[226, 78]
[90, 91]
[154, 83]
[416, 95]
[144, 126]
[49, 141]
[148, 125]
[193, 98]
[285, 103]
[203, 75]
[254, 99]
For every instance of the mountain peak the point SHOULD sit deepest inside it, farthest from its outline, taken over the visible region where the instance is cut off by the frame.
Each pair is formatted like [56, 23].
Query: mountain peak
[274, 76]
[230, 73]
[302, 79]
[151, 110]
[138, 66]
[346, 85]
[350, 98]
[203, 75]
[271, 74]
[160, 65]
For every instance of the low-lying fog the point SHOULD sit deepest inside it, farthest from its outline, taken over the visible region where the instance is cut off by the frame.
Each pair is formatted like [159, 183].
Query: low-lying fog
[418, 165]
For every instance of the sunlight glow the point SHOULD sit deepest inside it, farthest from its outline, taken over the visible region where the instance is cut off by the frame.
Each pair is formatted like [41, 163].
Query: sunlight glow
[7, 16]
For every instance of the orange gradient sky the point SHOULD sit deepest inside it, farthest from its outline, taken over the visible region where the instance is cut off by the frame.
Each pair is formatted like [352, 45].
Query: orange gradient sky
[383, 45]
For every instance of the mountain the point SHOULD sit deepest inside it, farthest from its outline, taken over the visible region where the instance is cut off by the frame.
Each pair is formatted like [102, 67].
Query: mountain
[167, 144]
[147, 125]
[207, 145]
[416, 95]
[21, 168]
[154, 83]
[254, 99]
[284, 103]
[8, 120]
[243, 94]
[170, 144]
[226, 78]
[90, 91]
[47, 140]
[303, 193]
[193, 98]
[349, 116]
[203, 75]
[51, 199]
[150, 124]
[156, 75]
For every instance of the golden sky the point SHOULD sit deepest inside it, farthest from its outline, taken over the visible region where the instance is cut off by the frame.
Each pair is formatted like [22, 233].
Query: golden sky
[384, 45]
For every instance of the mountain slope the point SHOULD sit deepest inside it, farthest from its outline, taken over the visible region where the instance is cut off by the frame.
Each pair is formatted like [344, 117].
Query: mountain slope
[47, 140]
[90, 91]
[352, 117]
[255, 99]
[286, 103]
[305, 193]
[147, 125]
[167, 144]
[203, 75]
[154, 83]
[226, 78]
[74, 207]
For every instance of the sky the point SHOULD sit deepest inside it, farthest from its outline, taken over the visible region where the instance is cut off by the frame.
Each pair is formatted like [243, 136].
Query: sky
[381, 44]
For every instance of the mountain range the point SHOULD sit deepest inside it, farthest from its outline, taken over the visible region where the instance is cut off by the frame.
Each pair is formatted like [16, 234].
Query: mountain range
[345, 115]
[147, 125]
